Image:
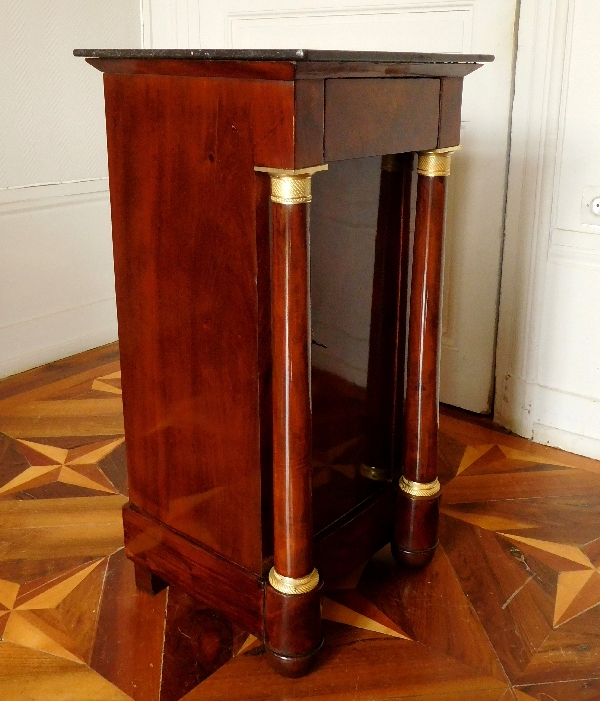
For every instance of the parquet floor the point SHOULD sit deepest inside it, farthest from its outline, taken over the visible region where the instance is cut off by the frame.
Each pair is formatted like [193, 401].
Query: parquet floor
[509, 609]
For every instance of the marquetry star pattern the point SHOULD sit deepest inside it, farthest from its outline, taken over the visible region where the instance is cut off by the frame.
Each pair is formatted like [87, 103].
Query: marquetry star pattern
[55, 614]
[110, 383]
[49, 463]
[576, 566]
[578, 586]
[509, 605]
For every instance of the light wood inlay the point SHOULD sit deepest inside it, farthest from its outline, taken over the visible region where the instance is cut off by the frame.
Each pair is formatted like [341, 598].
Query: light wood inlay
[55, 594]
[333, 611]
[567, 552]
[472, 453]
[8, 593]
[569, 587]
[490, 523]
[250, 643]
[21, 630]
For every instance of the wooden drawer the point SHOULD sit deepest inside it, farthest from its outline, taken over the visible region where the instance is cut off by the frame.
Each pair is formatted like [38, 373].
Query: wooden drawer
[375, 116]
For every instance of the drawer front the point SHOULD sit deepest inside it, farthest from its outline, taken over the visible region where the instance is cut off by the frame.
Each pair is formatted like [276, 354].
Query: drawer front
[375, 116]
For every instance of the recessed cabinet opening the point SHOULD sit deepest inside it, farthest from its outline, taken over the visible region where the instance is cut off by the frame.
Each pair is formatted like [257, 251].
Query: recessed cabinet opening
[355, 271]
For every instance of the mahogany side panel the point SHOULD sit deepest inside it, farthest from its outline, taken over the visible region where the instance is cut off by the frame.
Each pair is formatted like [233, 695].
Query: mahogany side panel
[387, 339]
[181, 159]
[223, 585]
[375, 116]
[450, 110]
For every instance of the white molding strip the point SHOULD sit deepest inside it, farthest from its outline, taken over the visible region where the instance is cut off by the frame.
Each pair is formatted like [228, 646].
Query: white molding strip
[358, 10]
[45, 191]
[572, 442]
[576, 257]
[249, 16]
[146, 23]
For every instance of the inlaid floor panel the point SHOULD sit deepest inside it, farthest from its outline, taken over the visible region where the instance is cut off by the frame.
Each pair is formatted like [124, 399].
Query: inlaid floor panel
[508, 610]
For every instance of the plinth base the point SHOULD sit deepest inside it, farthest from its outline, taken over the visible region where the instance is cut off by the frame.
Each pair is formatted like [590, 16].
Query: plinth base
[293, 667]
[414, 560]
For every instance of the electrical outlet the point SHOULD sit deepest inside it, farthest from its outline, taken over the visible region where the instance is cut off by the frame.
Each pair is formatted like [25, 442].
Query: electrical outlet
[590, 206]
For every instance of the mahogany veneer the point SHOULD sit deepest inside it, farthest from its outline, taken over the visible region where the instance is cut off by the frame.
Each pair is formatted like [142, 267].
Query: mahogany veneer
[214, 315]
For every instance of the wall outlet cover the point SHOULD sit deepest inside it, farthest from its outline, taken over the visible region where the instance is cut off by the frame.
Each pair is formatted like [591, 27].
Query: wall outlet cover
[590, 206]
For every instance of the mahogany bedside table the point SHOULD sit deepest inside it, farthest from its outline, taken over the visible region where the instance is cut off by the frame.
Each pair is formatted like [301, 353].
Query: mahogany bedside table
[211, 156]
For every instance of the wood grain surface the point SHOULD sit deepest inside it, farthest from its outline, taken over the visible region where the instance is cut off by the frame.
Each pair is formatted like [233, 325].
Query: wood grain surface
[376, 116]
[191, 367]
[292, 433]
[508, 610]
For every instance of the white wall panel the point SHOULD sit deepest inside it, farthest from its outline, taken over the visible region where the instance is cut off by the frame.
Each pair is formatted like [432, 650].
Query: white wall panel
[57, 284]
[569, 354]
[425, 27]
[51, 112]
[580, 137]
[56, 281]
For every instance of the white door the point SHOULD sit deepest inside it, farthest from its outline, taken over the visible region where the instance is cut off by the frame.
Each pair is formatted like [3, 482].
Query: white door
[477, 185]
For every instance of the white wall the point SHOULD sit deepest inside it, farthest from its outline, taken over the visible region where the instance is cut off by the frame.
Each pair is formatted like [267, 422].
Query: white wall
[56, 279]
[548, 377]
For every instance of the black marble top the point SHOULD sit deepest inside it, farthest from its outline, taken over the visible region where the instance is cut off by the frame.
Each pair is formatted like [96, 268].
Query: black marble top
[285, 55]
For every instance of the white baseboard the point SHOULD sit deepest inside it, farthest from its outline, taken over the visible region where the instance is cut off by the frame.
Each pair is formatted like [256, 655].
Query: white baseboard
[55, 336]
[550, 416]
[514, 404]
[572, 442]
[57, 284]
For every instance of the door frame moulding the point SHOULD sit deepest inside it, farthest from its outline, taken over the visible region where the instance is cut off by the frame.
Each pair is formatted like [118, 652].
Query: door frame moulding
[543, 57]
[172, 24]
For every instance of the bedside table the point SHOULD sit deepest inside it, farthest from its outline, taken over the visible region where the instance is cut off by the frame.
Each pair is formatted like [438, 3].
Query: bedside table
[211, 158]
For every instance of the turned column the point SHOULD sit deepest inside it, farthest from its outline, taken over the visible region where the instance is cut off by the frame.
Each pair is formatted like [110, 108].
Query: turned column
[417, 509]
[293, 618]
[387, 337]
